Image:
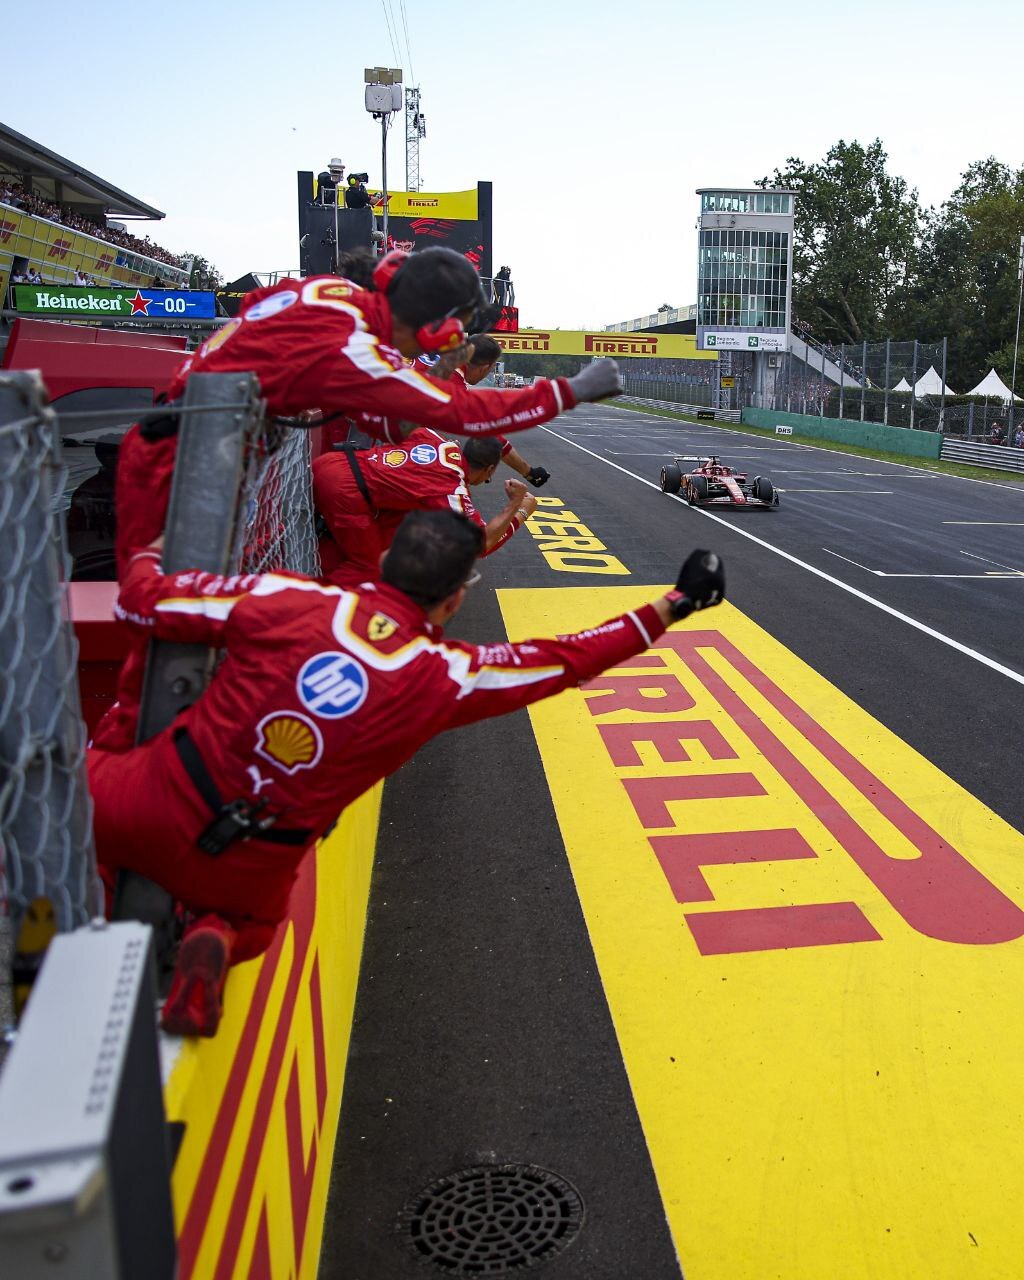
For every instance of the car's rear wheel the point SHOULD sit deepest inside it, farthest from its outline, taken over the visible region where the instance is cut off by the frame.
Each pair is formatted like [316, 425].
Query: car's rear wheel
[671, 478]
[697, 489]
[764, 490]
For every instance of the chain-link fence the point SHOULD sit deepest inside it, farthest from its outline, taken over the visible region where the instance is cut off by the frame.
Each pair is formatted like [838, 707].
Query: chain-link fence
[277, 531]
[45, 816]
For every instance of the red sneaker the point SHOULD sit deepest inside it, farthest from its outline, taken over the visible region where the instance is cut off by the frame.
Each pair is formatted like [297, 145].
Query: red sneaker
[193, 1006]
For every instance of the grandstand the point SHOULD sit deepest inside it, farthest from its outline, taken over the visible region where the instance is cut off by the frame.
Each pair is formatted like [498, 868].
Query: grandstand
[60, 220]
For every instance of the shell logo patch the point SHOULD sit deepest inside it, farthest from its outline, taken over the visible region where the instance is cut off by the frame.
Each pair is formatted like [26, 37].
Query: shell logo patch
[272, 306]
[334, 291]
[289, 740]
[381, 627]
[424, 454]
[394, 457]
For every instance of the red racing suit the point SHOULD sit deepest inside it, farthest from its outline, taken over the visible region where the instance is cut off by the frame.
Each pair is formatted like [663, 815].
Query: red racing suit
[321, 343]
[334, 433]
[425, 473]
[323, 692]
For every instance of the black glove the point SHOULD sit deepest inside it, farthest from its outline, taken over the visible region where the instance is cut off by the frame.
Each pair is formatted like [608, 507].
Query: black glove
[597, 381]
[538, 476]
[701, 581]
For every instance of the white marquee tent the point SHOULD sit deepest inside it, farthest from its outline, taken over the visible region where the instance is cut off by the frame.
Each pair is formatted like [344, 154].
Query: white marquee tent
[902, 385]
[930, 384]
[992, 385]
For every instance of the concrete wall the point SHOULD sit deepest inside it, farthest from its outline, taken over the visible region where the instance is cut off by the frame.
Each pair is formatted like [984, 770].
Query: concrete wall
[866, 435]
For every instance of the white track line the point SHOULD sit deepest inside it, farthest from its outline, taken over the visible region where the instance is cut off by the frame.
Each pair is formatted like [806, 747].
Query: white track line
[1016, 676]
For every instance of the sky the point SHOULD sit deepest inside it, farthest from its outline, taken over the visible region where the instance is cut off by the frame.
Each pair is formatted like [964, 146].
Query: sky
[595, 121]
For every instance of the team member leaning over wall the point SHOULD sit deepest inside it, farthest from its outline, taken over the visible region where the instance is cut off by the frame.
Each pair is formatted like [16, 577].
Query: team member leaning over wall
[326, 343]
[484, 353]
[364, 494]
[323, 692]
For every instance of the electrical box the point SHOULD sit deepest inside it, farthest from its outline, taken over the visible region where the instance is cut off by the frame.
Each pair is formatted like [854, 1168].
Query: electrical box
[383, 98]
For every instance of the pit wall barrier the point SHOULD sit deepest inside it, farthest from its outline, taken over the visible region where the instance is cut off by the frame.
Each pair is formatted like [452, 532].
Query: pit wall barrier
[254, 1111]
[259, 1102]
[865, 435]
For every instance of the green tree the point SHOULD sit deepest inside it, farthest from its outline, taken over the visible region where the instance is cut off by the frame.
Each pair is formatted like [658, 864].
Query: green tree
[855, 241]
[202, 274]
[966, 287]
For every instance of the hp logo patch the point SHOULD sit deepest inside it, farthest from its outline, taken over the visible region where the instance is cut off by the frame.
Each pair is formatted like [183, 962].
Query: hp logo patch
[332, 685]
[272, 306]
[424, 454]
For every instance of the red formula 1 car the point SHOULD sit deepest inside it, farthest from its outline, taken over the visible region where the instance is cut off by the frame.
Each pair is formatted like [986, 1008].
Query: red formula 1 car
[712, 484]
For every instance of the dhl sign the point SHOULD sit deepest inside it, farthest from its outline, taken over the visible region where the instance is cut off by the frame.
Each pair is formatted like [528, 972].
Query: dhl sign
[259, 1102]
[578, 342]
[812, 945]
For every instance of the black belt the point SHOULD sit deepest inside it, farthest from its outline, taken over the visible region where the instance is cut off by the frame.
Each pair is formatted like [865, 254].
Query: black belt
[238, 820]
[349, 450]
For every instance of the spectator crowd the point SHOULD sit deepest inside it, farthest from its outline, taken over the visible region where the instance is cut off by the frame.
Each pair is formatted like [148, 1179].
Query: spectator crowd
[17, 197]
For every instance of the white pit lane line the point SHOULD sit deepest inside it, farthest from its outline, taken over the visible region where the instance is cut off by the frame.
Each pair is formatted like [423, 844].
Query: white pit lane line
[1010, 674]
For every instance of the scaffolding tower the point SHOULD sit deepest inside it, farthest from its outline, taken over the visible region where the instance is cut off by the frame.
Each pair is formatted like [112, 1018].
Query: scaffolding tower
[415, 128]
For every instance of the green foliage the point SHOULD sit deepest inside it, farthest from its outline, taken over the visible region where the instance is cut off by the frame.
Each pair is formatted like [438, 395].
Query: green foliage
[967, 285]
[870, 264]
[855, 241]
[203, 274]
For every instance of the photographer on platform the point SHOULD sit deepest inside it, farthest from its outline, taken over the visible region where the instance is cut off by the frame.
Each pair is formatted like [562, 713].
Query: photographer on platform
[356, 194]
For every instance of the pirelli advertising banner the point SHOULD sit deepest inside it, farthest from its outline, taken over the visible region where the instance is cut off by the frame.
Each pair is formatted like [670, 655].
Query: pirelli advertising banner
[460, 206]
[578, 342]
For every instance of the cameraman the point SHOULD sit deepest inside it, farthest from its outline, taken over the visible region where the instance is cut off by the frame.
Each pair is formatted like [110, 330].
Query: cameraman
[356, 195]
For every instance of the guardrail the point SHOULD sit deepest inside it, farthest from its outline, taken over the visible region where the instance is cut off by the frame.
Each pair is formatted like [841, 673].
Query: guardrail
[998, 457]
[694, 410]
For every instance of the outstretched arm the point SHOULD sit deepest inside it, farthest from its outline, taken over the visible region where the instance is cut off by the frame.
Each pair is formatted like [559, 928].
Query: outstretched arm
[502, 678]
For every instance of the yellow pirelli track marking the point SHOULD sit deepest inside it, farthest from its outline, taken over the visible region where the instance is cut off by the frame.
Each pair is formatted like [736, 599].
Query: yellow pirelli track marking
[259, 1102]
[811, 944]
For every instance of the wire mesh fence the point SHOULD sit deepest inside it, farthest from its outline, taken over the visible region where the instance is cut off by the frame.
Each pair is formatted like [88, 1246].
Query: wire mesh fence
[277, 531]
[45, 815]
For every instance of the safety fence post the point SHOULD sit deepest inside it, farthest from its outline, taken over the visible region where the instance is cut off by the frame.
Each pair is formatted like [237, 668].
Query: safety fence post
[219, 416]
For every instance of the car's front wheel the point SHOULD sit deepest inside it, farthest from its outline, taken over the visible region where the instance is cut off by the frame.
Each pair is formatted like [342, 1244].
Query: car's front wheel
[764, 490]
[671, 478]
[697, 489]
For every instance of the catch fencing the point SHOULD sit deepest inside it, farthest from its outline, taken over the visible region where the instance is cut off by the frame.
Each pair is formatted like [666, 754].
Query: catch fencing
[45, 814]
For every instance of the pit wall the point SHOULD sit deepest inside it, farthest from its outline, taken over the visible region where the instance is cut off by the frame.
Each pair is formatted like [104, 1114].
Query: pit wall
[254, 1110]
[865, 435]
[259, 1102]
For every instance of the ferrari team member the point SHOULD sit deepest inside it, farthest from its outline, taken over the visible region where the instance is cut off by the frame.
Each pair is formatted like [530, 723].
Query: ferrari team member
[484, 354]
[331, 344]
[322, 693]
[363, 495]
[327, 343]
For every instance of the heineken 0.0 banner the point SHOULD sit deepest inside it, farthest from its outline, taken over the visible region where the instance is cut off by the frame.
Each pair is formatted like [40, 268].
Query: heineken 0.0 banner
[106, 304]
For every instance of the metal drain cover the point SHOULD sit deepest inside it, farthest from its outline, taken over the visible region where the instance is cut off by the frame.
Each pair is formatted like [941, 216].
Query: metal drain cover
[491, 1219]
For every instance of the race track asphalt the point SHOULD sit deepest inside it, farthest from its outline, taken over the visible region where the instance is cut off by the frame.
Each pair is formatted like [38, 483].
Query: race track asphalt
[482, 1032]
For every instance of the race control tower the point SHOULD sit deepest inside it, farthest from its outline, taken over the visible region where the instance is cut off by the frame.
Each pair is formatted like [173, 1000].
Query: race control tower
[745, 274]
